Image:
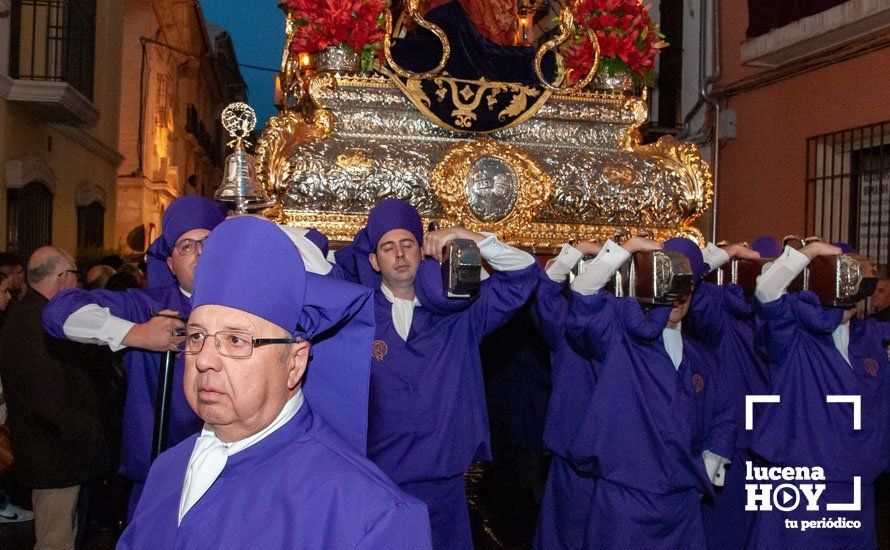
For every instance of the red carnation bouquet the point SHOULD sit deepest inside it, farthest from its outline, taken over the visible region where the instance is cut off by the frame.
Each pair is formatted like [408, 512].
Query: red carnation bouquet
[323, 23]
[628, 39]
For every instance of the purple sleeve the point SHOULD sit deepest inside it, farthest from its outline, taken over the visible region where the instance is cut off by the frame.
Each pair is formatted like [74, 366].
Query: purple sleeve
[502, 295]
[722, 427]
[883, 328]
[406, 526]
[132, 305]
[550, 310]
[777, 327]
[590, 324]
[707, 314]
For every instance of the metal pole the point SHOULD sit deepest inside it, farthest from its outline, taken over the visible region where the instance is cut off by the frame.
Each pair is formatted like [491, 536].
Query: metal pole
[162, 405]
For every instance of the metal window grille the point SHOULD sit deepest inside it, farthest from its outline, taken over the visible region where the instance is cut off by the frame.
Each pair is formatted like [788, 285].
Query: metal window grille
[54, 40]
[162, 100]
[29, 219]
[848, 189]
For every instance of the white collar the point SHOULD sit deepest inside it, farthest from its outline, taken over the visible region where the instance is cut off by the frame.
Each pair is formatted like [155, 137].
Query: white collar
[210, 455]
[392, 297]
[187, 294]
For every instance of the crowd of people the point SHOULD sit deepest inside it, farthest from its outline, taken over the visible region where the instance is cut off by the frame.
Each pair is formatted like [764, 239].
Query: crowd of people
[335, 399]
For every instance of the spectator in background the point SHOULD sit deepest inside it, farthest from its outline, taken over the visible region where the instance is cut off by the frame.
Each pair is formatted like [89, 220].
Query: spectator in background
[54, 421]
[9, 513]
[11, 266]
[5, 296]
[137, 272]
[98, 276]
[113, 261]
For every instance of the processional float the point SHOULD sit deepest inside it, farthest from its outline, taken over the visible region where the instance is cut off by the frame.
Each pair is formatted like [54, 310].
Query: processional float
[537, 163]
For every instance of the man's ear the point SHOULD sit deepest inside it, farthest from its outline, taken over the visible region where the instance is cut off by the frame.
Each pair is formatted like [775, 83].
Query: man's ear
[170, 265]
[296, 359]
[372, 257]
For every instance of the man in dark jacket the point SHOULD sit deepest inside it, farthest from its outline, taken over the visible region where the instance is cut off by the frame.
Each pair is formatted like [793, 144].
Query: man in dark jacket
[53, 410]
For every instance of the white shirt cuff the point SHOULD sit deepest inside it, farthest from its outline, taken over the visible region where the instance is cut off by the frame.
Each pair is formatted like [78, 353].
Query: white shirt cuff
[716, 467]
[599, 270]
[771, 285]
[93, 324]
[563, 264]
[714, 256]
[502, 256]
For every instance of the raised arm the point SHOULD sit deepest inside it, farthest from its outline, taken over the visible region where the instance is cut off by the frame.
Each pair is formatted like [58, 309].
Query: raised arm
[507, 290]
[117, 319]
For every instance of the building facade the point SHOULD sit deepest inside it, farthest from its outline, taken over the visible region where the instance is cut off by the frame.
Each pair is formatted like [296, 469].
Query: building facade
[59, 108]
[807, 91]
[181, 72]
[108, 111]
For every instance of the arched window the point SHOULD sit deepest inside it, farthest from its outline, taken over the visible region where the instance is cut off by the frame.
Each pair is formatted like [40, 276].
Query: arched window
[90, 226]
[29, 218]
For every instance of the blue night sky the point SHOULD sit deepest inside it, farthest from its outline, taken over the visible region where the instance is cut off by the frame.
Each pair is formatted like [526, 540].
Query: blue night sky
[257, 29]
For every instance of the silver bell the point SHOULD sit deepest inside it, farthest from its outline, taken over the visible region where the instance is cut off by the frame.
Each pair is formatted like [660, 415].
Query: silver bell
[239, 186]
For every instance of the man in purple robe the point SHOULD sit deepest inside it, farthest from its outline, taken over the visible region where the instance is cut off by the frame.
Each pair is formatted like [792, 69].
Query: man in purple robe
[428, 419]
[126, 320]
[722, 319]
[277, 465]
[816, 352]
[657, 431]
[569, 490]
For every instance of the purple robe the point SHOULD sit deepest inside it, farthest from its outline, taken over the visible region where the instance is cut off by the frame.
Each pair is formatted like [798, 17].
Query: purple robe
[300, 487]
[142, 370]
[428, 419]
[723, 320]
[567, 495]
[645, 427]
[804, 430]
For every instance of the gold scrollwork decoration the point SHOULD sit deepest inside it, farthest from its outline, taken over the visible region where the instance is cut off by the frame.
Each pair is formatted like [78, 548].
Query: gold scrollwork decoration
[566, 31]
[695, 188]
[467, 95]
[281, 137]
[414, 12]
[545, 238]
[449, 180]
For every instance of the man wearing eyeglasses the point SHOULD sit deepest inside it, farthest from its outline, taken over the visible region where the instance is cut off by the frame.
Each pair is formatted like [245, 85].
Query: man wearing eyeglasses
[54, 417]
[145, 322]
[279, 463]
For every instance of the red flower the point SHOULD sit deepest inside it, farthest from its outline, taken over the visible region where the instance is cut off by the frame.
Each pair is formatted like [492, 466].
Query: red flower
[627, 37]
[323, 23]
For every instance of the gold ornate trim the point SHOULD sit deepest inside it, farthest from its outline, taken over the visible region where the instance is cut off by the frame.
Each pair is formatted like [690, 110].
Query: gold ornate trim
[541, 238]
[280, 139]
[413, 10]
[415, 94]
[695, 189]
[449, 180]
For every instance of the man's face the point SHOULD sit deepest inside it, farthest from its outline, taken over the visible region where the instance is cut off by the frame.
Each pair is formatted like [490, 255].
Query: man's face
[183, 265]
[16, 276]
[240, 396]
[397, 258]
[681, 307]
[881, 298]
[68, 277]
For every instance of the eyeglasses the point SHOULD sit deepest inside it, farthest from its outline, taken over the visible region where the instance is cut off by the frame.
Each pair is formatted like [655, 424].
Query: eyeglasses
[228, 343]
[187, 247]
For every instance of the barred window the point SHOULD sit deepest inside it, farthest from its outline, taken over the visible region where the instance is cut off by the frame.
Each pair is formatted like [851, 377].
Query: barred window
[54, 40]
[848, 188]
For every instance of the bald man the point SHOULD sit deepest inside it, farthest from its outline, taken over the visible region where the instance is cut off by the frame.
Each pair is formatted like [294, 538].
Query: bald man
[53, 409]
[98, 276]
